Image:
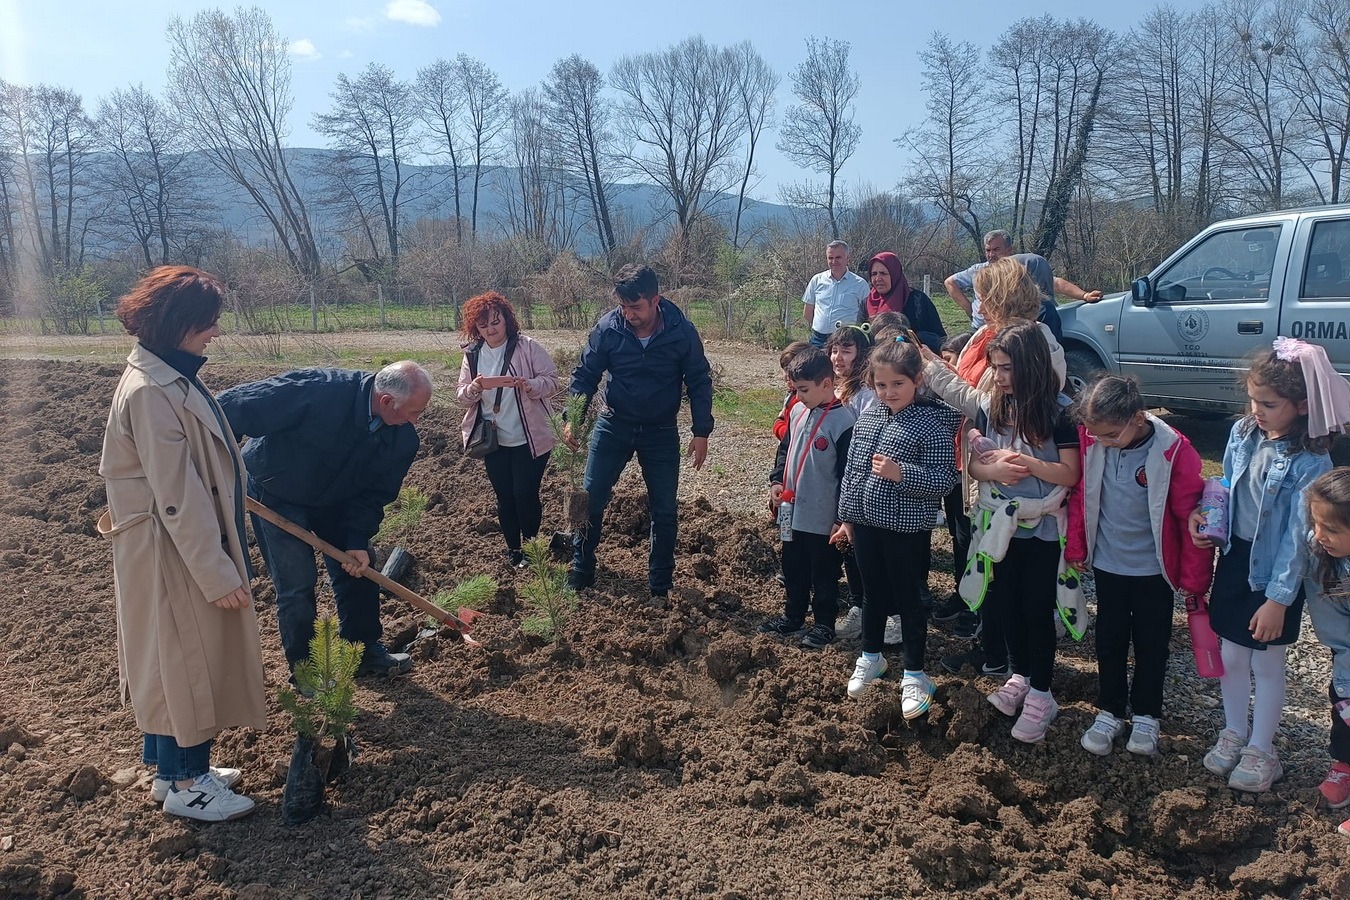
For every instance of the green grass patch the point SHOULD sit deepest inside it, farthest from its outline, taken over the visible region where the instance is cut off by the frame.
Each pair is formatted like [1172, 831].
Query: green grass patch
[753, 408]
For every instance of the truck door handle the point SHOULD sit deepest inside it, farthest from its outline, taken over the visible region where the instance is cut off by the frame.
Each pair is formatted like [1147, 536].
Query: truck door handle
[1251, 327]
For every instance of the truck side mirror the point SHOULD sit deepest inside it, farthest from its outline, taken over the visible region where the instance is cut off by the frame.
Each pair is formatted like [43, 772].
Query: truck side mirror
[1142, 292]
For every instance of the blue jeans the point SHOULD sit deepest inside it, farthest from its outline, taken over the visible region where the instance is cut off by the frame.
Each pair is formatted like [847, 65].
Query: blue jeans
[818, 339]
[290, 562]
[172, 762]
[613, 444]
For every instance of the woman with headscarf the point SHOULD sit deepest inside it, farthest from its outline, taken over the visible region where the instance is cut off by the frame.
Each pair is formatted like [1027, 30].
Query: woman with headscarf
[891, 291]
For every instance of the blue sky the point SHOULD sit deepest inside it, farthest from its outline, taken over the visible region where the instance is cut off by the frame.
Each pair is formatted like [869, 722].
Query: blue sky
[92, 47]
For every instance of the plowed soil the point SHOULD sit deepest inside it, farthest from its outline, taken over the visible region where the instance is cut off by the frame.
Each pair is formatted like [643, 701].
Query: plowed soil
[658, 750]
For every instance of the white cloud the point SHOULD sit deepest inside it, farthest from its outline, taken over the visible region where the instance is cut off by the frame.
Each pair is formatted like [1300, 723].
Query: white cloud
[305, 49]
[414, 12]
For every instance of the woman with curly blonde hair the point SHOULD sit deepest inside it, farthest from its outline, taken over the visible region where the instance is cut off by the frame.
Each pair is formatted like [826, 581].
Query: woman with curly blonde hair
[510, 379]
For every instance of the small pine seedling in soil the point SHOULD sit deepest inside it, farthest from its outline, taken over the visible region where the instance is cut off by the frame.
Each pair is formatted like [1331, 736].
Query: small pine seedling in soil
[325, 703]
[402, 516]
[546, 593]
[473, 593]
[578, 410]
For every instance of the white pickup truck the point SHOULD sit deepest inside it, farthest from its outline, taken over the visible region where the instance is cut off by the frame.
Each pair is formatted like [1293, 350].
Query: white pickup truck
[1184, 329]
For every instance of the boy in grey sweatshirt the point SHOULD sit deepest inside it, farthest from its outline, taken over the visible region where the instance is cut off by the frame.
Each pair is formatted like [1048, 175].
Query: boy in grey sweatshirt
[804, 496]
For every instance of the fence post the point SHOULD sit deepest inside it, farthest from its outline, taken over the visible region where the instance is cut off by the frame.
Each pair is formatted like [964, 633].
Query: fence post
[379, 295]
[313, 311]
[928, 285]
[98, 305]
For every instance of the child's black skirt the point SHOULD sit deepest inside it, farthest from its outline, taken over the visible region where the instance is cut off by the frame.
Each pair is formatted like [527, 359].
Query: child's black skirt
[1232, 602]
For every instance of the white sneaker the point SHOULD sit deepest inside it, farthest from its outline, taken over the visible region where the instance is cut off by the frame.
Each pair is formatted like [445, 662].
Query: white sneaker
[849, 628]
[1143, 736]
[1101, 736]
[159, 791]
[207, 800]
[892, 635]
[916, 695]
[864, 673]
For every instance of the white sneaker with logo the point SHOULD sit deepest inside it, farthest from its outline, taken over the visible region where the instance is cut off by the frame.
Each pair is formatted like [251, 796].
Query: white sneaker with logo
[849, 627]
[159, 791]
[893, 634]
[207, 800]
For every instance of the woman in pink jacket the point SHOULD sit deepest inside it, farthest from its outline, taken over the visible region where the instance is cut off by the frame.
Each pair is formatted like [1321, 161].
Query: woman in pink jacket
[510, 379]
[1140, 482]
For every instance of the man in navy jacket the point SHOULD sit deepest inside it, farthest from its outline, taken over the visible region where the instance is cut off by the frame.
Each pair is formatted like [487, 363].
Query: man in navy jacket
[653, 355]
[328, 449]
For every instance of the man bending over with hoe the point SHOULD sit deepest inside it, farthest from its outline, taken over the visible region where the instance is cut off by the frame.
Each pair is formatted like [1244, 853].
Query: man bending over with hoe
[329, 449]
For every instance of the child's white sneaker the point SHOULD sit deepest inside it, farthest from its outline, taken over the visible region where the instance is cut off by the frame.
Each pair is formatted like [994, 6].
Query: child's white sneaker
[916, 695]
[1102, 734]
[894, 634]
[865, 672]
[1256, 771]
[849, 628]
[1008, 699]
[1222, 758]
[1143, 736]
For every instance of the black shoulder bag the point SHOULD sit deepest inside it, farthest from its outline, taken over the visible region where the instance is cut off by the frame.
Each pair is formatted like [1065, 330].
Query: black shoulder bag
[483, 436]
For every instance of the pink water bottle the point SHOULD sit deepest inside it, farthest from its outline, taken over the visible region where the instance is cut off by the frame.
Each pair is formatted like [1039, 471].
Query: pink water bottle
[1204, 642]
[1214, 507]
[979, 444]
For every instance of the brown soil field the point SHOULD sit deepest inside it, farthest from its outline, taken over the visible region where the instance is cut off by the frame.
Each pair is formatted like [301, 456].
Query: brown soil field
[660, 750]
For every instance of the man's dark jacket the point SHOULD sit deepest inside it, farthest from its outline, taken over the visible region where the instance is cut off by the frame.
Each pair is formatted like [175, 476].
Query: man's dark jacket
[310, 443]
[645, 384]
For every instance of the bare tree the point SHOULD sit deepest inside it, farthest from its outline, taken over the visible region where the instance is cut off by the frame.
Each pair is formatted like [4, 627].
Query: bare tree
[1318, 77]
[757, 88]
[373, 128]
[149, 174]
[1260, 132]
[442, 106]
[819, 133]
[578, 117]
[486, 113]
[951, 165]
[534, 205]
[230, 79]
[681, 113]
[1079, 67]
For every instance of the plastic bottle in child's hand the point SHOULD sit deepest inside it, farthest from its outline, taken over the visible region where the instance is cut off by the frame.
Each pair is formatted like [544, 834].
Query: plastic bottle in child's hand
[1214, 508]
[979, 444]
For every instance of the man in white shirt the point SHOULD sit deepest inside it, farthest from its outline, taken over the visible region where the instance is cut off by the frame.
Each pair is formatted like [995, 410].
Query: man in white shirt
[998, 244]
[833, 296]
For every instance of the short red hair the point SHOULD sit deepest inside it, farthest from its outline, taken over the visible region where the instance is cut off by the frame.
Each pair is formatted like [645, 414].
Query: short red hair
[170, 303]
[479, 309]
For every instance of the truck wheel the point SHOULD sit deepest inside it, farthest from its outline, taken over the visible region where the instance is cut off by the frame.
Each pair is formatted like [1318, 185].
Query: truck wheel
[1083, 368]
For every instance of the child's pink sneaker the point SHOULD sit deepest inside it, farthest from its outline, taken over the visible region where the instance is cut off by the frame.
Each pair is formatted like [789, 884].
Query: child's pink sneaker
[1335, 788]
[1038, 712]
[1008, 699]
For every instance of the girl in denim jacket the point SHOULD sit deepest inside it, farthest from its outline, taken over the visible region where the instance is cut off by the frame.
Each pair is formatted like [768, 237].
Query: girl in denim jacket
[1273, 454]
[1328, 586]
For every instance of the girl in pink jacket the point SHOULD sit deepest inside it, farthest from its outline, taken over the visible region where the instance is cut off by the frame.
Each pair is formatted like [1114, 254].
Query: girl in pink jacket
[511, 379]
[1141, 480]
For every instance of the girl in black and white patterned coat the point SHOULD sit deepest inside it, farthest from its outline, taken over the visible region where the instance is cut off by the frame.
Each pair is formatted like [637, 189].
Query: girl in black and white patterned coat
[901, 464]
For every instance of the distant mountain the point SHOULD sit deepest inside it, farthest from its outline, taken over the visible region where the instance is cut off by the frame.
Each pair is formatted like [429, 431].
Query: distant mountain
[636, 206]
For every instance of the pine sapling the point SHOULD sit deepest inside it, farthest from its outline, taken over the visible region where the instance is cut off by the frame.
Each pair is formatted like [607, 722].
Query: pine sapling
[325, 702]
[473, 593]
[402, 516]
[577, 410]
[546, 593]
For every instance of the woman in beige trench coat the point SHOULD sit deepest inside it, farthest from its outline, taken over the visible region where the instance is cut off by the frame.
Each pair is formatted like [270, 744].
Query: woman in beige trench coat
[187, 633]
